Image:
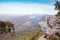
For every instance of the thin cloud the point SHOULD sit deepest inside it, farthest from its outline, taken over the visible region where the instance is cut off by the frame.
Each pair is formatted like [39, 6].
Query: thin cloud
[26, 9]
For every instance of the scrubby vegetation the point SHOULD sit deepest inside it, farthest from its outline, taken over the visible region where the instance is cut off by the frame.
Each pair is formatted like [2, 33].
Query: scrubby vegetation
[52, 38]
[32, 35]
[6, 27]
[7, 30]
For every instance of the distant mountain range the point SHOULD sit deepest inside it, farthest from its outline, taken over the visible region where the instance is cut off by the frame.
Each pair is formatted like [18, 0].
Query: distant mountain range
[19, 21]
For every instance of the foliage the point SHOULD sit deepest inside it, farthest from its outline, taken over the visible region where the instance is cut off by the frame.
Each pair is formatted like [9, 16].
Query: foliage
[6, 27]
[52, 38]
[58, 14]
[57, 5]
[31, 36]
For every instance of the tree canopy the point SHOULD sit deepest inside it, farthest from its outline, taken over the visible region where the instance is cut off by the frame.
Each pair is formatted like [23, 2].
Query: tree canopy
[6, 27]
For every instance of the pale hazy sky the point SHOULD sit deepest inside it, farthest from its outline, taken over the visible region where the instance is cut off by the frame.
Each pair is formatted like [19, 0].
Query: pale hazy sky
[27, 7]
